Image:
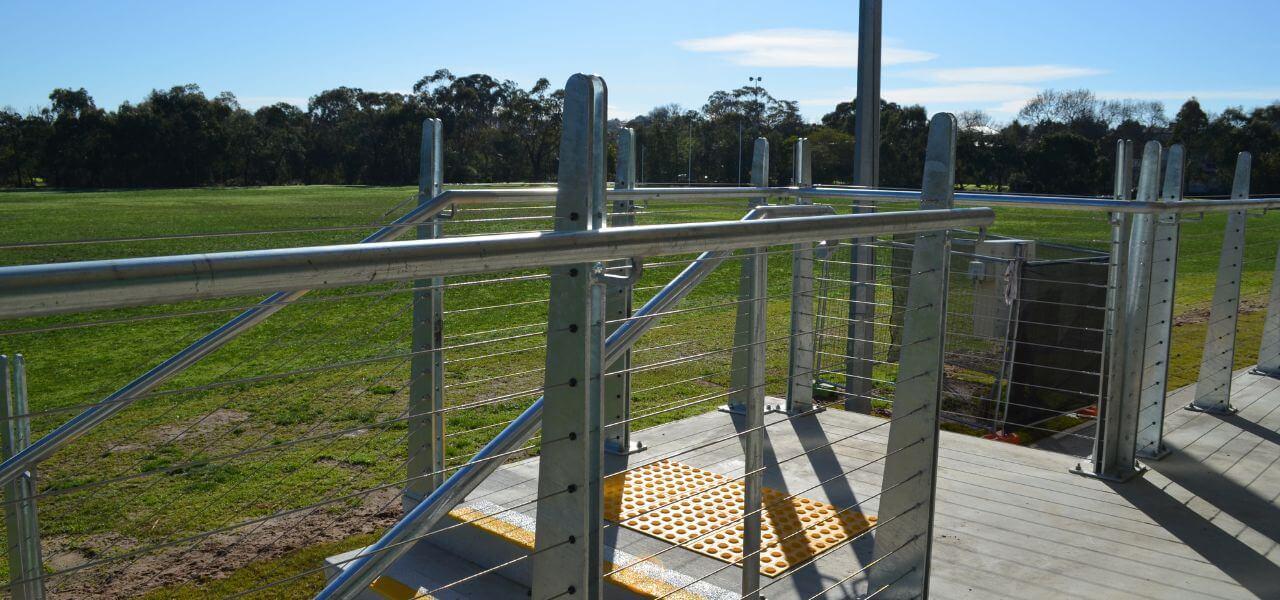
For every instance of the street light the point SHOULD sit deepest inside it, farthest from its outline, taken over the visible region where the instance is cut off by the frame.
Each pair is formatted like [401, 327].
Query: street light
[756, 91]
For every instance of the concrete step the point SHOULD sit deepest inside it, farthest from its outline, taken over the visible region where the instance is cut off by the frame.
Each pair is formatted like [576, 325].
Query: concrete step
[468, 542]
[509, 534]
[426, 568]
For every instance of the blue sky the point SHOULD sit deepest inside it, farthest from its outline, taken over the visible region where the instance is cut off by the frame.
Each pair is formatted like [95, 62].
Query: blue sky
[948, 55]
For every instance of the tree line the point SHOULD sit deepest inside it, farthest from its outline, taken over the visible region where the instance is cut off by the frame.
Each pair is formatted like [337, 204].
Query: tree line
[498, 131]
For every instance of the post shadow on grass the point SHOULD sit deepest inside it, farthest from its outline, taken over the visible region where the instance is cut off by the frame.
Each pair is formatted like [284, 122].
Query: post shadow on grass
[1236, 559]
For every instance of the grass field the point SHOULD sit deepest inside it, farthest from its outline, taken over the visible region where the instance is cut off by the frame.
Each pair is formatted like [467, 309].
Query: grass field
[306, 408]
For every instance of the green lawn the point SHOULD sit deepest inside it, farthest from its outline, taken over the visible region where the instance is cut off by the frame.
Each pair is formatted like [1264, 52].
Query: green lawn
[309, 403]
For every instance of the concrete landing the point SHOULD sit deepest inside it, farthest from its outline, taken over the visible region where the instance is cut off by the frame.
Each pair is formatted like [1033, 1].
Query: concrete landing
[1011, 521]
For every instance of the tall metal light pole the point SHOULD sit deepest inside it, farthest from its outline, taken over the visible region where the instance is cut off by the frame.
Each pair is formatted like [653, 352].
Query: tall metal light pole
[866, 171]
[866, 128]
[755, 81]
[689, 173]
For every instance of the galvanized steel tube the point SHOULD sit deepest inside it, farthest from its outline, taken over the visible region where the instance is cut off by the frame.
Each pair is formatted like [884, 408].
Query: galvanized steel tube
[35, 290]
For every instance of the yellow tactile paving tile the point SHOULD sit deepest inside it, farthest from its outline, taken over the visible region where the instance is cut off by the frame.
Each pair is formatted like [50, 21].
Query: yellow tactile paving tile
[392, 589]
[793, 530]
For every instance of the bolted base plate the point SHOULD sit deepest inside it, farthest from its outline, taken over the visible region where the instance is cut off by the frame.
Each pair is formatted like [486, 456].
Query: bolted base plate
[1216, 410]
[1136, 472]
[616, 449]
[1271, 374]
[740, 409]
[1158, 454]
[810, 410]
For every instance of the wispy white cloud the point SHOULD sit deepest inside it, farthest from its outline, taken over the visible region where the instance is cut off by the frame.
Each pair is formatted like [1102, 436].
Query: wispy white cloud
[998, 99]
[1008, 74]
[999, 90]
[621, 112]
[974, 93]
[1002, 91]
[797, 48]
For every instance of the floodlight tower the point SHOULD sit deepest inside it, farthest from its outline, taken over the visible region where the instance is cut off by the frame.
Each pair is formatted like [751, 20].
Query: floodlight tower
[866, 171]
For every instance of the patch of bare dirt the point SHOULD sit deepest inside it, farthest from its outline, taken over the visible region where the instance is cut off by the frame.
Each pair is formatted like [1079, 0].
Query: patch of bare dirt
[215, 556]
[1200, 315]
[205, 424]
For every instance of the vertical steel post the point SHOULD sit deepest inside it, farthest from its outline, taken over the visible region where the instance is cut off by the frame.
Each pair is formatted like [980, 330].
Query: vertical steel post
[904, 541]
[1213, 388]
[426, 379]
[1269, 350]
[801, 364]
[22, 522]
[802, 162]
[1114, 451]
[1111, 382]
[746, 328]
[618, 303]
[1164, 268]
[866, 126]
[567, 554]
[753, 441]
[859, 345]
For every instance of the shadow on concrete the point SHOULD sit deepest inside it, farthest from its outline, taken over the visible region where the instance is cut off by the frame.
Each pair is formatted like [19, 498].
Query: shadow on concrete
[1235, 420]
[822, 459]
[1246, 566]
[1225, 494]
[806, 580]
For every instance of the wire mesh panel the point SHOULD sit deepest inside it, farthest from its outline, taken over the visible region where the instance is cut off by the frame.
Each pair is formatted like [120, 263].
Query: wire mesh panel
[1025, 321]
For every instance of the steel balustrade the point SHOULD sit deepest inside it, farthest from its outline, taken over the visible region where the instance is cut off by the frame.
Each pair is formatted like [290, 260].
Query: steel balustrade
[1159, 313]
[802, 358]
[587, 387]
[568, 550]
[903, 544]
[1213, 387]
[426, 391]
[618, 306]
[1269, 350]
[22, 524]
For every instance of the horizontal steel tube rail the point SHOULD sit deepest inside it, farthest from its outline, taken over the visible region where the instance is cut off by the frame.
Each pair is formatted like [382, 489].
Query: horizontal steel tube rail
[1046, 202]
[41, 449]
[37, 290]
[122, 398]
[883, 195]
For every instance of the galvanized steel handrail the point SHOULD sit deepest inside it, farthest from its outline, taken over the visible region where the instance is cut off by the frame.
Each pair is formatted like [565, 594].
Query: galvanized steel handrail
[1051, 202]
[34, 290]
[194, 271]
[1189, 205]
[122, 398]
[375, 558]
[37, 290]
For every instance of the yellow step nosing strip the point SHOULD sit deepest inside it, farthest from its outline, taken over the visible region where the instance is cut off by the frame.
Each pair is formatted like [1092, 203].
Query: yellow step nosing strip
[392, 589]
[643, 578]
